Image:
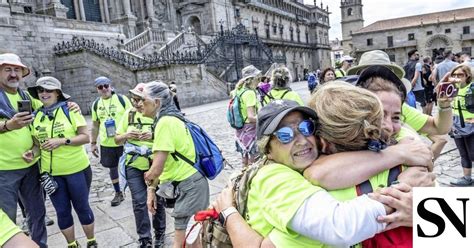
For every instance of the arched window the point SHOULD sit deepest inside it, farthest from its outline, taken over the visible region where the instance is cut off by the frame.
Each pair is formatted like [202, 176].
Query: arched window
[349, 11]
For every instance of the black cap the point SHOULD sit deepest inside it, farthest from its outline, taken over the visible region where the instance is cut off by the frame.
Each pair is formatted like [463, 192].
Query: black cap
[270, 116]
[382, 72]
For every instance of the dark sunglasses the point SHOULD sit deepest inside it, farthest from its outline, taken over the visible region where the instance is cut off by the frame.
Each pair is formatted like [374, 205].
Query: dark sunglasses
[286, 134]
[101, 87]
[41, 90]
[136, 100]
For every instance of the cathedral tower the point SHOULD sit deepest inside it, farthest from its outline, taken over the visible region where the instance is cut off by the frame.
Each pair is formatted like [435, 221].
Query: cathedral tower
[351, 21]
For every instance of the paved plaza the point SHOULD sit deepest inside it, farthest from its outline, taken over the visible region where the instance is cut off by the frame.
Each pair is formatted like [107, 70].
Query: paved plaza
[115, 226]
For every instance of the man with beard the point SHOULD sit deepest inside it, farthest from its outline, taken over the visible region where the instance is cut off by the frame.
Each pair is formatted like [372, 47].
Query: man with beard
[18, 179]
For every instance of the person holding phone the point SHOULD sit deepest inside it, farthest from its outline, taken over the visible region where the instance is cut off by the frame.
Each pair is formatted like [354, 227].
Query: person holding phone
[66, 176]
[463, 119]
[19, 179]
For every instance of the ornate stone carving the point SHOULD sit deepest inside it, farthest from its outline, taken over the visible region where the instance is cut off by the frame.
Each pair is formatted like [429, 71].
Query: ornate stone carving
[161, 10]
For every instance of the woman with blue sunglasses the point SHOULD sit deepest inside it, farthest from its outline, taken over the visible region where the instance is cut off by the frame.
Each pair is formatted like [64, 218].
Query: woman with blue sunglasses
[285, 207]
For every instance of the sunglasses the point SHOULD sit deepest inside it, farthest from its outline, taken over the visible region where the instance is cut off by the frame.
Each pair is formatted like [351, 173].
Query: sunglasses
[41, 90]
[458, 75]
[286, 134]
[101, 87]
[136, 100]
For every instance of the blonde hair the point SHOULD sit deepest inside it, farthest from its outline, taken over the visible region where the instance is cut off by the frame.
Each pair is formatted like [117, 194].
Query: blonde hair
[348, 116]
[250, 82]
[281, 77]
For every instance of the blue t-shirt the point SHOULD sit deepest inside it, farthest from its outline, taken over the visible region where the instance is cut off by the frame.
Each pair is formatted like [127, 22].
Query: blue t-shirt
[418, 85]
[445, 67]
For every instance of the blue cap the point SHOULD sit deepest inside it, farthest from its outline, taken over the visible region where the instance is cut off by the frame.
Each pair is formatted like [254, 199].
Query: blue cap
[102, 80]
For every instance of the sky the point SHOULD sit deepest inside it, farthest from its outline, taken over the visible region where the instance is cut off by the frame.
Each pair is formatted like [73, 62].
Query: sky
[375, 10]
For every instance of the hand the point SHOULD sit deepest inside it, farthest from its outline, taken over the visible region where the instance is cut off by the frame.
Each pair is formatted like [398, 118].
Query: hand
[415, 153]
[53, 143]
[20, 120]
[151, 201]
[74, 107]
[150, 175]
[95, 150]
[133, 135]
[400, 197]
[417, 177]
[146, 136]
[28, 156]
[224, 200]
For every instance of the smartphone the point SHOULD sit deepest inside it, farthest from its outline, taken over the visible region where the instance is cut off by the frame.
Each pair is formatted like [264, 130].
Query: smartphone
[25, 106]
[448, 90]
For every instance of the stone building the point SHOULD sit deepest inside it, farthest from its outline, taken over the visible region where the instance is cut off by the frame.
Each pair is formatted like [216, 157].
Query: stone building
[430, 33]
[202, 44]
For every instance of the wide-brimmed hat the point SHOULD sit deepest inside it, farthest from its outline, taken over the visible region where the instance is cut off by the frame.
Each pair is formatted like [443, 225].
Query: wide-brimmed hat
[13, 59]
[386, 73]
[347, 58]
[375, 57]
[138, 90]
[250, 71]
[49, 83]
[270, 116]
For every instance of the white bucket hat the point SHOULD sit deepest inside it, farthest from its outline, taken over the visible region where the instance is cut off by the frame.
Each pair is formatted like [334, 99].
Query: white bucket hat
[13, 59]
[49, 83]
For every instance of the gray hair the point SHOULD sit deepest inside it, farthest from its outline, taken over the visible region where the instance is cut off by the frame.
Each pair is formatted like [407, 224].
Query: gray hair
[159, 90]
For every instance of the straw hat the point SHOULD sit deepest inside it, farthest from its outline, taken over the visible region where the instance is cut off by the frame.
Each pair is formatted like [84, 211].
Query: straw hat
[13, 59]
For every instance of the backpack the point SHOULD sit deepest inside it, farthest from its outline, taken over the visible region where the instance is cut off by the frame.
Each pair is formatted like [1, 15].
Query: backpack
[209, 160]
[401, 237]
[213, 233]
[234, 114]
[410, 68]
[469, 99]
[311, 82]
[272, 98]
[120, 97]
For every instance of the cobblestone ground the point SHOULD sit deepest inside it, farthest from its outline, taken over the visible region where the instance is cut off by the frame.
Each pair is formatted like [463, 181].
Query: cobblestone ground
[115, 226]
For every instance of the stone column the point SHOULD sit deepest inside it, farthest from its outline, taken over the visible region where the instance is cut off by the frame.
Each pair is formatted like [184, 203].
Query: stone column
[149, 9]
[104, 7]
[81, 10]
[126, 7]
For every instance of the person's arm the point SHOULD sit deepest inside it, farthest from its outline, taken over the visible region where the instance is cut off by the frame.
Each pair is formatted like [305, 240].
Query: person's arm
[94, 135]
[19, 120]
[323, 218]
[417, 177]
[440, 124]
[152, 179]
[20, 240]
[240, 233]
[432, 77]
[251, 115]
[11, 236]
[361, 165]
[74, 107]
[415, 78]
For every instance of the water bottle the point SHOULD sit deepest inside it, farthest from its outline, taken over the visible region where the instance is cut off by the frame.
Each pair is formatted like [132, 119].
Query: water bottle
[110, 127]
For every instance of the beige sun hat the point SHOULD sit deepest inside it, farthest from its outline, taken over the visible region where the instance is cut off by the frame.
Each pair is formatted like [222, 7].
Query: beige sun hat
[13, 59]
[375, 57]
[49, 83]
[138, 90]
[250, 71]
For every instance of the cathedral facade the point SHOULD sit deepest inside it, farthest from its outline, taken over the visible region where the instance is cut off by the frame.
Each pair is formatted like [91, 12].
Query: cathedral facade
[430, 33]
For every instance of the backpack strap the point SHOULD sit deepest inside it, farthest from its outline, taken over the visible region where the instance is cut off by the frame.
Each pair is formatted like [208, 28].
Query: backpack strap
[284, 93]
[393, 174]
[121, 100]
[364, 188]
[95, 103]
[65, 109]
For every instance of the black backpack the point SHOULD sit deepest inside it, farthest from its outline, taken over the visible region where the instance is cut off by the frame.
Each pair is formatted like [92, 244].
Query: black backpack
[409, 68]
[469, 99]
[120, 97]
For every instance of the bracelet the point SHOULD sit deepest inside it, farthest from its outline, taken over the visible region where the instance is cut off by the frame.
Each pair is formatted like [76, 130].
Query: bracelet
[441, 109]
[151, 188]
[5, 126]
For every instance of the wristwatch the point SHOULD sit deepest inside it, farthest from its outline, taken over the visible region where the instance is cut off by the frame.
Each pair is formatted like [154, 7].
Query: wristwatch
[224, 214]
[68, 142]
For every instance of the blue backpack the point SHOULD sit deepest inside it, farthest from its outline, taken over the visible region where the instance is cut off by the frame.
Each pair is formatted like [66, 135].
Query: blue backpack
[209, 160]
[311, 82]
[234, 115]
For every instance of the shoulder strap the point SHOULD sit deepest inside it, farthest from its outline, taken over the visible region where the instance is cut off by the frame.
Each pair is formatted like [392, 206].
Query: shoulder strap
[393, 174]
[94, 105]
[284, 93]
[121, 100]
[65, 109]
[24, 95]
[364, 188]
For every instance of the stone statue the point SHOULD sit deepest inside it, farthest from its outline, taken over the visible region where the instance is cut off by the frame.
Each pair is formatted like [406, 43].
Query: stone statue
[161, 10]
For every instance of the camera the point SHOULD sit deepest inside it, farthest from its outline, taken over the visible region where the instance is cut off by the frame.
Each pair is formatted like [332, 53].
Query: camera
[48, 183]
[448, 90]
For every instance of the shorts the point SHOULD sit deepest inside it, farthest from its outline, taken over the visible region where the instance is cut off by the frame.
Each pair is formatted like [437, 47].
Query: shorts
[110, 156]
[420, 97]
[193, 197]
[430, 95]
